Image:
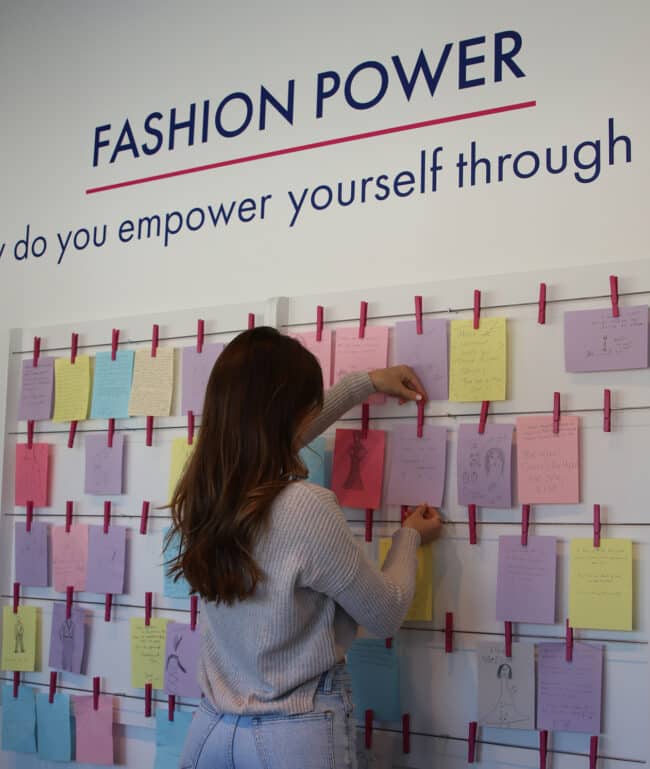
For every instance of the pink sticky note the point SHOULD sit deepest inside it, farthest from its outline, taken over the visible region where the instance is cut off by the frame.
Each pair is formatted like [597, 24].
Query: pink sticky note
[417, 466]
[94, 730]
[32, 471]
[548, 465]
[354, 354]
[69, 557]
[322, 350]
[358, 468]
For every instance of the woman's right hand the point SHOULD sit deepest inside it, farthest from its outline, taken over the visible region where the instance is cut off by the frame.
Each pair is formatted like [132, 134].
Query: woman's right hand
[427, 521]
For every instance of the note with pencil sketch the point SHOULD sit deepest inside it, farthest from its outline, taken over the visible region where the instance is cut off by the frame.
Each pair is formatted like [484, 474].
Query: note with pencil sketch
[506, 685]
[19, 634]
[322, 351]
[37, 389]
[182, 651]
[67, 639]
[153, 383]
[358, 468]
[352, 353]
[478, 360]
[71, 389]
[485, 465]
[104, 464]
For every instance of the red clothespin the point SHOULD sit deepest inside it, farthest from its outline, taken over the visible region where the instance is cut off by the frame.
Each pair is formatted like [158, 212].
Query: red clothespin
[171, 706]
[108, 605]
[369, 715]
[68, 601]
[16, 683]
[16, 596]
[607, 410]
[68, 516]
[369, 521]
[418, 315]
[556, 413]
[30, 434]
[477, 308]
[569, 643]
[363, 319]
[190, 428]
[72, 432]
[111, 432]
[613, 290]
[115, 340]
[319, 322]
[508, 634]
[485, 405]
[149, 438]
[471, 742]
[389, 643]
[404, 513]
[29, 513]
[525, 522]
[420, 406]
[406, 733]
[251, 320]
[200, 335]
[194, 605]
[541, 304]
[52, 692]
[74, 344]
[449, 632]
[107, 515]
[147, 608]
[365, 419]
[95, 692]
[144, 517]
[148, 689]
[593, 752]
[543, 747]
[155, 333]
[471, 512]
[36, 351]
[596, 525]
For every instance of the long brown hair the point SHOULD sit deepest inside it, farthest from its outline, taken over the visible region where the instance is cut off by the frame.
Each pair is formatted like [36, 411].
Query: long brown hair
[261, 387]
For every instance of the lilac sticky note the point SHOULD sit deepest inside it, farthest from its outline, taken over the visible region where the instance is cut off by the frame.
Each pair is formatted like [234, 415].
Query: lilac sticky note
[526, 580]
[104, 464]
[37, 389]
[569, 694]
[485, 466]
[182, 650]
[196, 368]
[69, 557]
[425, 353]
[594, 340]
[417, 465]
[106, 556]
[67, 639]
[31, 554]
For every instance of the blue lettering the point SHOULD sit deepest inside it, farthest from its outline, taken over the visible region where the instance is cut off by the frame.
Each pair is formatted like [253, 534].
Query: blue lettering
[98, 144]
[322, 93]
[125, 142]
[383, 85]
[152, 132]
[502, 57]
[421, 65]
[465, 61]
[174, 126]
[248, 106]
[286, 112]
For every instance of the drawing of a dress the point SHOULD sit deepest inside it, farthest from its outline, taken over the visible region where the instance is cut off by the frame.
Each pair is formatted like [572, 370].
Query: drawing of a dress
[174, 667]
[66, 634]
[357, 453]
[504, 712]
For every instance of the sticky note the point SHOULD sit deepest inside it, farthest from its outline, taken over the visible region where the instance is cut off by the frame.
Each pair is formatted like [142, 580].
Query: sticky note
[526, 580]
[594, 340]
[67, 639]
[32, 474]
[548, 465]
[354, 354]
[170, 738]
[31, 554]
[106, 557]
[375, 679]
[416, 466]
[36, 389]
[425, 353]
[485, 465]
[54, 722]
[19, 719]
[358, 468]
[478, 369]
[196, 368]
[313, 455]
[181, 452]
[71, 389]
[19, 638]
[506, 686]
[104, 464]
[94, 730]
[182, 651]
[153, 383]
[148, 652]
[569, 694]
[600, 584]
[171, 589]
[69, 557]
[323, 351]
[421, 609]
[112, 385]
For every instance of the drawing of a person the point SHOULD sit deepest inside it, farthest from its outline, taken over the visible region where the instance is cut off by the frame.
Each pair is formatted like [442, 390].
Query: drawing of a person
[19, 637]
[66, 634]
[504, 712]
[174, 667]
[495, 462]
[357, 453]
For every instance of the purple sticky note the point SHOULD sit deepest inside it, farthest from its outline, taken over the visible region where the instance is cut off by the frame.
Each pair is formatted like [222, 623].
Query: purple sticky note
[31, 554]
[104, 464]
[106, 556]
[196, 368]
[37, 389]
[526, 580]
[594, 340]
[182, 650]
[67, 639]
[485, 466]
[417, 465]
[569, 694]
[425, 353]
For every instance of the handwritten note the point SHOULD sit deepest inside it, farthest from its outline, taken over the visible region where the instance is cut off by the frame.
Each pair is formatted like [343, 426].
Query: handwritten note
[314, 458]
[478, 369]
[148, 652]
[19, 638]
[569, 693]
[425, 353]
[375, 679]
[71, 388]
[358, 468]
[112, 385]
[54, 722]
[323, 351]
[37, 389]
[106, 557]
[104, 464]
[19, 719]
[600, 584]
[506, 686]
[170, 738]
[594, 340]
[32, 474]
[416, 465]
[421, 609]
[153, 383]
[354, 354]
[548, 465]
[182, 651]
[67, 639]
[485, 466]
[196, 368]
[31, 558]
[69, 557]
[94, 731]
[181, 452]
[526, 580]
[180, 588]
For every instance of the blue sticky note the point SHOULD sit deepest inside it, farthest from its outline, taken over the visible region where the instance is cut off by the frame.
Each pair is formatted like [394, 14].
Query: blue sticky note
[170, 736]
[171, 589]
[375, 679]
[19, 719]
[54, 727]
[313, 455]
[112, 385]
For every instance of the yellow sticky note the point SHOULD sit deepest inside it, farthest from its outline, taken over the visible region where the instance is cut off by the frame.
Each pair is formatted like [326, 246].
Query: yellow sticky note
[148, 652]
[421, 609]
[19, 638]
[71, 389]
[153, 383]
[181, 452]
[600, 584]
[478, 360]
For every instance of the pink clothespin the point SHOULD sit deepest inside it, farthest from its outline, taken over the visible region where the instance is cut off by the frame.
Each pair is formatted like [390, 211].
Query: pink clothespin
[508, 634]
[194, 605]
[29, 513]
[607, 410]
[16, 683]
[404, 513]
[389, 643]
[449, 632]
[74, 344]
[155, 333]
[72, 432]
[369, 521]
[420, 407]
[16, 597]
[107, 515]
[613, 290]
[147, 608]
[111, 433]
[190, 428]
[68, 601]
[485, 405]
[471, 742]
[319, 322]
[68, 516]
[52, 691]
[477, 308]
[593, 752]
[108, 605]
[556, 413]
[525, 522]
[365, 419]
[115, 340]
[471, 512]
[95, 692]
[171, 706]
[251, 320]
[363, 319]
[200, 335]
[149, 438]
[541, 304]
[569, 643]
[596, 525]
[406, 733]
[543, 748]
[36, 351]
[148, 688]
[30, 434]
[144, 517]
[369, 715]
[418, 315]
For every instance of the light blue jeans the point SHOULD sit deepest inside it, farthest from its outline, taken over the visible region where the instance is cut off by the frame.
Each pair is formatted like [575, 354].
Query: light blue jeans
[321, 739]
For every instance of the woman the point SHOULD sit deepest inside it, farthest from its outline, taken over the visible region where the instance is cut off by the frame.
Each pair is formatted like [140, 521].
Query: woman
[282, 581]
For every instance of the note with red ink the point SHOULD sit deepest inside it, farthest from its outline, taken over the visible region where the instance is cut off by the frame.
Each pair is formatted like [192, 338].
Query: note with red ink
[106, 557]
[182, 651]
[548, 464]
[94, 730]
[37, 389]
[526, 577]
[153, 383]
[416, 465]
[32, 474]
[322, 351]
[31, 554]
[354, 354]
[485, 466]
[69, 557]
[196, 368]
[358, 468]
[425, 353]
[104, 464]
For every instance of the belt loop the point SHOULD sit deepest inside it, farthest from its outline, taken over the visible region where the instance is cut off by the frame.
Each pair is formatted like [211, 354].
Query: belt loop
[328, 682]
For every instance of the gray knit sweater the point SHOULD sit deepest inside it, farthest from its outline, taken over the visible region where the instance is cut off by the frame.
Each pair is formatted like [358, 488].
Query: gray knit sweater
[266, 654]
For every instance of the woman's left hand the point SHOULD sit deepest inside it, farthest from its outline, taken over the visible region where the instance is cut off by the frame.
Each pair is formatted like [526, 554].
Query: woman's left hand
[400, 381]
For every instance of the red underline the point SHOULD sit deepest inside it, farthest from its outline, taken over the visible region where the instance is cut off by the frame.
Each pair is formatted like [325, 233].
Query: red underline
[316, 145]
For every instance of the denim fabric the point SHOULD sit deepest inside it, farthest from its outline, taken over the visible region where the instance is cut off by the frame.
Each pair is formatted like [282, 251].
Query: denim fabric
[321, 739]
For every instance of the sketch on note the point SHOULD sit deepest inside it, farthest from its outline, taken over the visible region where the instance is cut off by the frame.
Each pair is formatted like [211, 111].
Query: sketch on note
[356, 454]
[506, 692]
